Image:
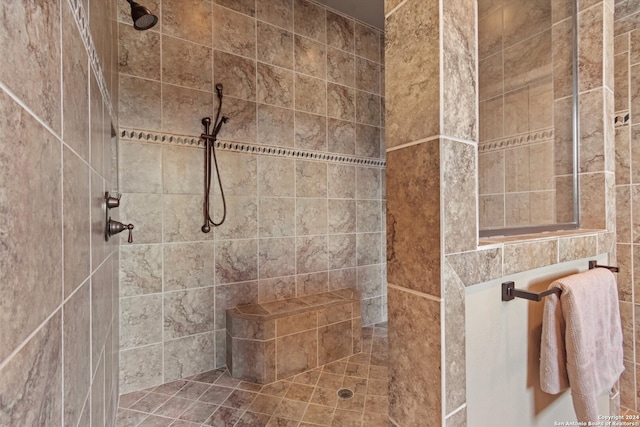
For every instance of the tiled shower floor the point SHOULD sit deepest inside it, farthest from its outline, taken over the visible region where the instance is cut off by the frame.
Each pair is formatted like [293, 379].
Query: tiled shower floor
[310, 399]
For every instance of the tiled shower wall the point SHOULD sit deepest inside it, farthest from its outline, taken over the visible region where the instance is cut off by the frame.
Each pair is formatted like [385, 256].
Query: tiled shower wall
[58, 277]
[296, 76]
[525, 155]
[627, 88]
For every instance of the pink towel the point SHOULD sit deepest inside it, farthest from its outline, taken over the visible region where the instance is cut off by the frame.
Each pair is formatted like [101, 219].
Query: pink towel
[582, 339]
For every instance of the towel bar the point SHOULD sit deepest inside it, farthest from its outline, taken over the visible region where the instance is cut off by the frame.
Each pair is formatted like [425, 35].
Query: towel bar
[510, 292]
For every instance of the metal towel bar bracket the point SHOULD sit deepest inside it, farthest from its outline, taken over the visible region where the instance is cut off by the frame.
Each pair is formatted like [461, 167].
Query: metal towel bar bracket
[510, 292]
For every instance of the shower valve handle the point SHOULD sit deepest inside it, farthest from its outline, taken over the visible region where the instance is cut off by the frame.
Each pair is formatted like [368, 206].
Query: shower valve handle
[113, 202]
[116, 227]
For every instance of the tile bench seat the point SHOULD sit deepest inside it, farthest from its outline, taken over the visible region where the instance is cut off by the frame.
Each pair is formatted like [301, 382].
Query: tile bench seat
[274, 340]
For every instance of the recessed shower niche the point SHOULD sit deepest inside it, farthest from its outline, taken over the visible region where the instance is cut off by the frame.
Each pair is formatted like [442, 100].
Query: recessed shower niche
[528, 117]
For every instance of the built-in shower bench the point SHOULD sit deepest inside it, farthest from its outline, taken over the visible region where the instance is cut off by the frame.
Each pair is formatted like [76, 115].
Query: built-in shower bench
[271, 341]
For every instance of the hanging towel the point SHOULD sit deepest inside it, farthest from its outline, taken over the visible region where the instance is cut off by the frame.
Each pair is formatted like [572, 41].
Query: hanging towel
[582, 339]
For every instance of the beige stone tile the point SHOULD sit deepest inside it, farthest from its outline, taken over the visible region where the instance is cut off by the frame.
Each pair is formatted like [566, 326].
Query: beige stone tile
[341, 136]
[296, 323]
[367, 42]
[527, 256]
[188, 312]
[406, 85]
[623, 155]
[310, 94]
[516, 112]
[342, 183]
[140, 103]
[490, 34]
[247, 7]
[368, 108]
[623, 214]
[233, 32]
[75, 83]
[491, 115]
[631, 45]
[540, 105]
[76, 224]
[140, 320]
[180, 105]
[276, 12]
[404, 242]
[275, 86]
[340, 31]
[459, 60]
[368, 141]
[367, 75]
[621, 89]
[290, 409]
[310, 57]
[310, 180]
[339, 279]
[224, 416]
[275, 45]
[77, 365]
[310, 131]
[275, 126]
[624, 261]
[592, 132]
[562, 59]
[341, 250]
[179, 223]
[265, 404]
[189, 20]
[236, 74]
[528, 62]
[299, 392]
[341, 102]
[593, 201]
[251, 360]
[140, 368]
[236, 261]
[318, 414]
[195, 69]
[35, 57]
[188, 356]
[242, 120]
[140, 269]
[334, 342]
[490, 76]
[459, 175]
[341, 67]
[314, 283]
[563, 136]
[591, 46]
[34, 269]
[296, 353]
[181, 170]
[236, 225]
[145, 212]
[404, 309]
[277, 217]
[277, 289]
[527, 19]
[310, 20]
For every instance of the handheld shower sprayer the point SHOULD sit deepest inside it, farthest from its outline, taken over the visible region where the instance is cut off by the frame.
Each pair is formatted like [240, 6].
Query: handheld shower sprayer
[210, 153]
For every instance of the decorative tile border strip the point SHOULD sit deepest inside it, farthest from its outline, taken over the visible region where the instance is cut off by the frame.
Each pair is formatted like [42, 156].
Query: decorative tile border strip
[244, 147]
[80, 17]
[621, 118]
[521, 140]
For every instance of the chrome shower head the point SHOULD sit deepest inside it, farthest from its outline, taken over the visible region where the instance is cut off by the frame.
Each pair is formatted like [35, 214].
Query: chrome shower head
[142, 17]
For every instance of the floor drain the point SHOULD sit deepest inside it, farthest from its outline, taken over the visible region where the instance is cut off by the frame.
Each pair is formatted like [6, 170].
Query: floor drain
[345, 393]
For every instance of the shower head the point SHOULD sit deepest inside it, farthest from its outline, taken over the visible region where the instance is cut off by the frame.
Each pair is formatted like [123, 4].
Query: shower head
[142, 17]
[219, 90]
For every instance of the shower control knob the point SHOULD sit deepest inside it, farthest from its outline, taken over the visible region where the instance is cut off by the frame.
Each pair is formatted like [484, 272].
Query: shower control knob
[112, 202]
[116, 227]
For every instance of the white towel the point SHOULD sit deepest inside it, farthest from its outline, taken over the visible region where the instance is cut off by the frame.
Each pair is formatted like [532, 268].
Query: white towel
[582, 339]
